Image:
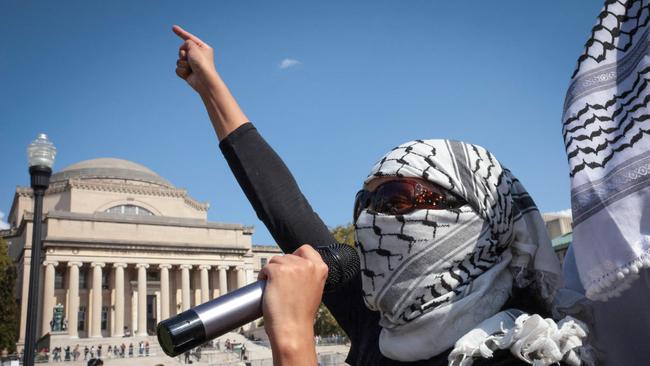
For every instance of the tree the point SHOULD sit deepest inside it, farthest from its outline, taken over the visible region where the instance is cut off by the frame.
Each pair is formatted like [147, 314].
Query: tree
[325, 325]
[8, 305]
[344, 233]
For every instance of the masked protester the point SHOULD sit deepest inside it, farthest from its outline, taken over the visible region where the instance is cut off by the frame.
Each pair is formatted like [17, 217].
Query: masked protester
[456, 265]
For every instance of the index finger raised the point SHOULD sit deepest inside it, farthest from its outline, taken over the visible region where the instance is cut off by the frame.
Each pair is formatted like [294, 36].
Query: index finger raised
[185, 35]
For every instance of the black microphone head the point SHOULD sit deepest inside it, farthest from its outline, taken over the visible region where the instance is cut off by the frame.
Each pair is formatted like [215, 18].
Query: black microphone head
[343, 263]
[180, 333]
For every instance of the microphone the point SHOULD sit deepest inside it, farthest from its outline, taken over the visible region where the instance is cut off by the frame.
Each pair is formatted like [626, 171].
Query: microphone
[217, 317]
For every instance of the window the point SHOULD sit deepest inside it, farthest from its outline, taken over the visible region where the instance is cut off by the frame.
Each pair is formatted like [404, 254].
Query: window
[104, 317]
[263, 262]
[58, 279]
[104, 280]
[83, 278]
[153, 276]
[81, 318]
[131, 210]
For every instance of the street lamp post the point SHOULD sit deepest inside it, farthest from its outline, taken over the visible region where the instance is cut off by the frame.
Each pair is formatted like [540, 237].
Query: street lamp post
[40, 153]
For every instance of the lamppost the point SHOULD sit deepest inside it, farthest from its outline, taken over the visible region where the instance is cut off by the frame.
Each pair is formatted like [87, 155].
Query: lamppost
[40, 154]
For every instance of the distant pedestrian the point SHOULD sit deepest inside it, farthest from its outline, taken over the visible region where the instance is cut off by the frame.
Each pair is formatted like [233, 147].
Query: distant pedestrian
[86, 352]
[130, 349]
[146, 348]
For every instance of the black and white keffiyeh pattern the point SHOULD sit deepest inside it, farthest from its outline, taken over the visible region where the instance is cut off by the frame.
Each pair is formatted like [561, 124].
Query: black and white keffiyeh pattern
[436, 274]
[606, 128]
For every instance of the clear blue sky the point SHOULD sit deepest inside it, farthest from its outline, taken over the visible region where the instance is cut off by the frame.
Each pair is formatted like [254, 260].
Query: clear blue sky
[98, 78]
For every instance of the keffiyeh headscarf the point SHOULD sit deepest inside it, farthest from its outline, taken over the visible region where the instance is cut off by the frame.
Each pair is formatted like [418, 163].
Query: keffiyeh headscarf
[606, 128]
[434, 275]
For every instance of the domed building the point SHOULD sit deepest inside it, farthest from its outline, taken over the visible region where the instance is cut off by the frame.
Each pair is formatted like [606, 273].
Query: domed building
[123, 249]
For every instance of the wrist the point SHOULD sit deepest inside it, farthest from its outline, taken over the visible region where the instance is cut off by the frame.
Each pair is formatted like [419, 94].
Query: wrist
[211, 85]
[291, 348]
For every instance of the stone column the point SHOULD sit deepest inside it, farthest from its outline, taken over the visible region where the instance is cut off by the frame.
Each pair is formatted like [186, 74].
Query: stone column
[119, 299]
[241, 277]
[142, 298]
[215, 283]
[48, 296]
[185, 285]
[205, 290]
[249, 276]
[96, 325]
[73, 298]
[164, 290]
[223, 280]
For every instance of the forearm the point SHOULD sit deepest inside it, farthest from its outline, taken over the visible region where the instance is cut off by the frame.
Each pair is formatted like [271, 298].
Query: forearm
[222, 108]
[294, 349]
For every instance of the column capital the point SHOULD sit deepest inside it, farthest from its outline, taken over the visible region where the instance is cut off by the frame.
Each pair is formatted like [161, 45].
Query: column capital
[76, 264]
[239, 268]
[205, 266]
[164, 266]
[97, 264]
[185, 266]
[223, 267]
[142, 265]
[120, 264]
[52, 263]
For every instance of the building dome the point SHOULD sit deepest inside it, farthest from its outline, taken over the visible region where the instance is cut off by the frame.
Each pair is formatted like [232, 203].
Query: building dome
[110, 168]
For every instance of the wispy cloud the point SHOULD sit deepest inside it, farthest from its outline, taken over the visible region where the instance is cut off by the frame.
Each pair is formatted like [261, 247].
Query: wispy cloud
[287, 63]
[3, 225]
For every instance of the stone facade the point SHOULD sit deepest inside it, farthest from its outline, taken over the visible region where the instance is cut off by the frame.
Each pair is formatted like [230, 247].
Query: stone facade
[123, 249]
[560, 228]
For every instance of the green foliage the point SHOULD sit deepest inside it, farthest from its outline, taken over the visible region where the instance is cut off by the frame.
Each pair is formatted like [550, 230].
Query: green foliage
[344, 234]
[325, 324]
[8, 305]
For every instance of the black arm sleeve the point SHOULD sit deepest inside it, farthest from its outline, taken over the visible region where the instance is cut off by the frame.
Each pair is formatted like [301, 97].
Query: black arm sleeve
[272, 190]
[278, 202]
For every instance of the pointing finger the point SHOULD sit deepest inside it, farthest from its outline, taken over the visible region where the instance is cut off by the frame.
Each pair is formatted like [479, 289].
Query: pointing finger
[185, 35]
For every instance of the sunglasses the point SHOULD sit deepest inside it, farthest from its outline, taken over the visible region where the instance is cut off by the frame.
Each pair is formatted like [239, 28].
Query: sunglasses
[401, 196]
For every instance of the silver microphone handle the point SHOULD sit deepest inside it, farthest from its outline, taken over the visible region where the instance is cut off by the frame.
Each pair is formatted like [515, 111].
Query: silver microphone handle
[231, 310]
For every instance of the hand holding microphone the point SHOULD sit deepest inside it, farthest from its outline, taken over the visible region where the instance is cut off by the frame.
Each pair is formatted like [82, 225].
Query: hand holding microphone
[294, 288]
[295, 282]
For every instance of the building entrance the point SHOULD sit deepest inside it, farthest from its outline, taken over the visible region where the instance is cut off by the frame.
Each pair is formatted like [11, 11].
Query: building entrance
[152, 320]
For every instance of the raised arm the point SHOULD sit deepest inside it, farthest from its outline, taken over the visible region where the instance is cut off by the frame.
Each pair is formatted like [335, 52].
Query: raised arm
[196, 66]
[266, 180]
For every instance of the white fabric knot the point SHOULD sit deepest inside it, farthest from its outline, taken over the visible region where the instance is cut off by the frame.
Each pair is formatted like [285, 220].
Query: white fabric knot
[531, 338]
